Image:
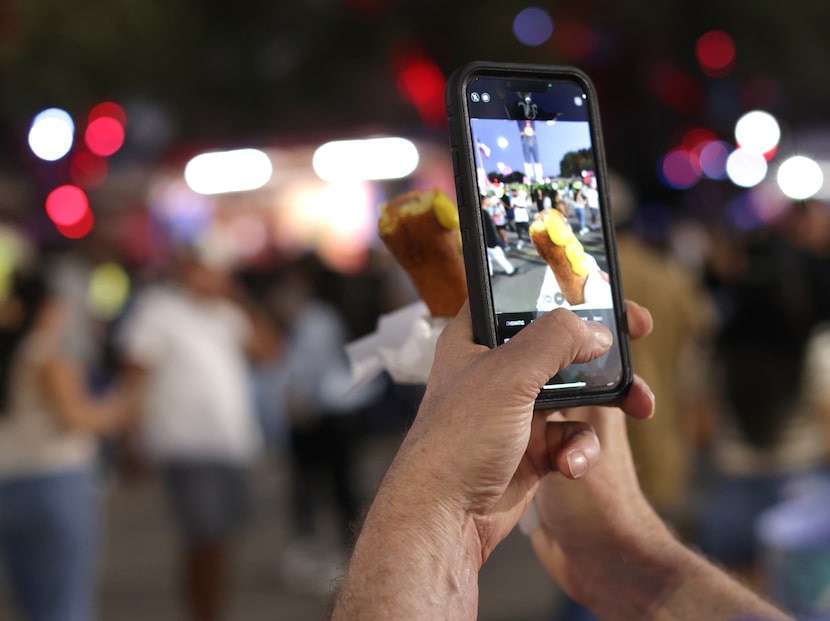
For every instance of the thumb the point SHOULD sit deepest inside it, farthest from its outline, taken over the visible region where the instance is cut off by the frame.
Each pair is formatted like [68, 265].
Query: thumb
[552, 342]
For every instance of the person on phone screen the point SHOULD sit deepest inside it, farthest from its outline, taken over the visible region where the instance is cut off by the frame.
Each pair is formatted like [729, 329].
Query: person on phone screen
[495, 252]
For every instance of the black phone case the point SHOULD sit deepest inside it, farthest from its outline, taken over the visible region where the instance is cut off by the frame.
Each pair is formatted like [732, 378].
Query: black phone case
[472, 234]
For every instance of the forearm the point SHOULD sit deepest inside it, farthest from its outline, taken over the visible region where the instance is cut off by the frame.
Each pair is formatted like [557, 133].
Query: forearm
[413, 560]
[672, 583]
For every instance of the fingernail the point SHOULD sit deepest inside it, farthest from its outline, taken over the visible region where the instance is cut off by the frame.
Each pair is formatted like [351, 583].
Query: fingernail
[578, 463]
[601, 334]
[653, 403]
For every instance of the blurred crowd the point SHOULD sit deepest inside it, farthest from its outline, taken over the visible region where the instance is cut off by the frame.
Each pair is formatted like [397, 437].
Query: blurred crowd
[211, 370]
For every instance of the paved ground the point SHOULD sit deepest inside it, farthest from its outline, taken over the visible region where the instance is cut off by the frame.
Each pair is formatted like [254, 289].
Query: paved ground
[139, 565]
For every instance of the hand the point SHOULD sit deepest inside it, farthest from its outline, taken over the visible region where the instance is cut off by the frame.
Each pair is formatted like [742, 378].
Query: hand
[470, 465]
[609, 550]
[476, 443]
[582, 527]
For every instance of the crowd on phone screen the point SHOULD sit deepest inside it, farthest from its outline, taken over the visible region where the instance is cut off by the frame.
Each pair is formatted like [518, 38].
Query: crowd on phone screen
[211, 375]
[512, 207]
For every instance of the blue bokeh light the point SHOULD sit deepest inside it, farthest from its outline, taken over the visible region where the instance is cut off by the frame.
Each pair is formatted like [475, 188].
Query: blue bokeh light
[533, 26]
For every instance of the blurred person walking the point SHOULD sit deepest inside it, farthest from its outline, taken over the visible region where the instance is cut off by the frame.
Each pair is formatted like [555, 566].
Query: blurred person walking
[671, 359]
[324, 412]
[770, 398]
[187, 343]
[49, 494]
[496, 209]
[495, 252]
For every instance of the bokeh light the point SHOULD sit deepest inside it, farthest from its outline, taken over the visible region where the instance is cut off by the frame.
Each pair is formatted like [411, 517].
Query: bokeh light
[51, 134]
[15, 250]
[674, 86]
[108, 109]
[746, 168]
[67, 205]
[758, 132]
[533, 26]
[696, 137]
[364, 160]
[109, 290]
[219, 172]
[576, 41]
[679, 170]
[183, 213]
[79, 229]
[712, 158]
[421, 82]
[800, 177]
[88, 170]
[715, 51]
[104, 136]
[338, 220]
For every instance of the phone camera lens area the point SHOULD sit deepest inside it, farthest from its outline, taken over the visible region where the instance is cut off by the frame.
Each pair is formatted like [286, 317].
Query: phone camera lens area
[475, 97]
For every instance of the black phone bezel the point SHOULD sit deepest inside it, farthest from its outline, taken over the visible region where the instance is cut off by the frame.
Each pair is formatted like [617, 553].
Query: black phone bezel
[475, 254]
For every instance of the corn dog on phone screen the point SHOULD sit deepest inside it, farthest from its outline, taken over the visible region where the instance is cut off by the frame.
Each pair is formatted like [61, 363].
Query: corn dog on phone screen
[543, 219]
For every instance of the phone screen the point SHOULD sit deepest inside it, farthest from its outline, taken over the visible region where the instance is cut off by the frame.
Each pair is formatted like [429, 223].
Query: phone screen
[544, 217]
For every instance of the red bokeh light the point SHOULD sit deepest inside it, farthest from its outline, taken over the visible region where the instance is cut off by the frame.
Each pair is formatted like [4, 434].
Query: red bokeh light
[422, 82]
[108, 109]
[88, 170]
[79, 229]
[67, 205]
[715, 51]
[674, 87]
[104, 136]
[575, 41]
[696, 138]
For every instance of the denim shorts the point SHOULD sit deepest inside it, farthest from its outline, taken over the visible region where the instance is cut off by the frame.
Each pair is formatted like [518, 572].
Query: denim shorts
[209, 499]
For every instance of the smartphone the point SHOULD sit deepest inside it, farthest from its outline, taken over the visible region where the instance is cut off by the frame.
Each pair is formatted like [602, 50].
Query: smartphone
[536, 228]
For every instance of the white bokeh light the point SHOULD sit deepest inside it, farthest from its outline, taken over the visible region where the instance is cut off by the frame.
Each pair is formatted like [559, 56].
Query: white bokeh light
[228, 171]
[758, 132]
[800, 177]
[365, 160]
[51, 134]
[746, 168]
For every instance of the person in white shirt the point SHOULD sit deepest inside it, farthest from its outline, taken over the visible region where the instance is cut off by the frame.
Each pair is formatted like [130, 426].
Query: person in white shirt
[521, 215]
[589, 191]
[188, 344]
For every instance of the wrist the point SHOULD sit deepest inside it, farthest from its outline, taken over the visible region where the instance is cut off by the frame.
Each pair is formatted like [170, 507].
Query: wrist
[660, 578]
[416, 557]
[626, 575]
